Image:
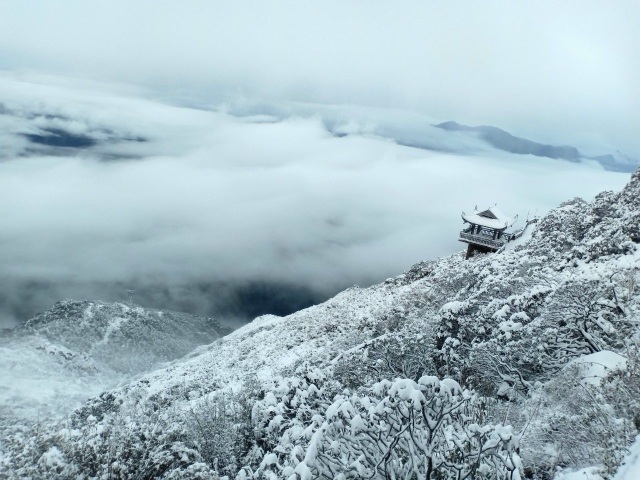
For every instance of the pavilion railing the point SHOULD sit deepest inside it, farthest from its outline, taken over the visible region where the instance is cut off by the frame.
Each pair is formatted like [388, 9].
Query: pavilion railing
[484, 236]
[485, 240]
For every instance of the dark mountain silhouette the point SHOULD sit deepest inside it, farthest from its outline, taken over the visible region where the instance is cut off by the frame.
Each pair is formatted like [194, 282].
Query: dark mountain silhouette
[503, 140]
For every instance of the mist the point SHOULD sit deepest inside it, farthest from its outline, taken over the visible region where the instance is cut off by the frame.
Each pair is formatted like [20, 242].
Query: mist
[239, 209]
[233, 159]
[558, 72]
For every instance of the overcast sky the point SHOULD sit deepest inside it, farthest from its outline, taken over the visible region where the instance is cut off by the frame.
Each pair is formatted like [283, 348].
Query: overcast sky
[557, 71]
[217, 156]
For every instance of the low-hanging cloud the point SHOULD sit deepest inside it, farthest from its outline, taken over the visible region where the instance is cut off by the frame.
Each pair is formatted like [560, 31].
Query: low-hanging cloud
[186, 204]
[555, 71]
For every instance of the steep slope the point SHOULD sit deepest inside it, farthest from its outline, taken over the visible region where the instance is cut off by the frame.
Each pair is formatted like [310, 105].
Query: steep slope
[271, 395]
[578, 237]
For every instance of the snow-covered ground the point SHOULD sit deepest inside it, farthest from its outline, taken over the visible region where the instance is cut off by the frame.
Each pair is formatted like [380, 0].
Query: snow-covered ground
[596, 366]
[38, 382]
[566, 300]
[630, 468]
[588, 473]
[76, 350]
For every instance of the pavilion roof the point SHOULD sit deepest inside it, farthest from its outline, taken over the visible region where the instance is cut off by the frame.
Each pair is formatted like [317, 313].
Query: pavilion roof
[492, 217]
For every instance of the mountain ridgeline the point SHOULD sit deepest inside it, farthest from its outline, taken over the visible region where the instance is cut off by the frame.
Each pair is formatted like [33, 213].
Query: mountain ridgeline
[53, 134]
[520, 364]
[124, 338]
[503, 140]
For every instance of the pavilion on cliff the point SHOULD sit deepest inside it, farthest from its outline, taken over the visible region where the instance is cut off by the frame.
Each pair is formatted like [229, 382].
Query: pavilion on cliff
[486, 230]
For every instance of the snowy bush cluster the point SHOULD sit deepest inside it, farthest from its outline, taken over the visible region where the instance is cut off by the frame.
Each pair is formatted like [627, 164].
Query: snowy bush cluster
[393, 429]
[519, 364]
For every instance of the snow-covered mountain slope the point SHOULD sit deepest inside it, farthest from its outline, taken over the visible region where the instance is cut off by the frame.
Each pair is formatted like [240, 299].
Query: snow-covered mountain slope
[582, 239]
[264, 400]
[125, 338]
[76, 349]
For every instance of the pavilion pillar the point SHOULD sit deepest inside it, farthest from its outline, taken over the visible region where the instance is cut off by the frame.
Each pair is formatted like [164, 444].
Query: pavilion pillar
[470, 250]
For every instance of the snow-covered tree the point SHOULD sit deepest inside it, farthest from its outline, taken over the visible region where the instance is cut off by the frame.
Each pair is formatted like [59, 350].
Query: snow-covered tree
[402, 429]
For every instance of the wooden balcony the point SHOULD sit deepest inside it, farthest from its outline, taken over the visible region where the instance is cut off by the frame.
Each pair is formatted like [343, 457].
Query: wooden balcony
[485, 240]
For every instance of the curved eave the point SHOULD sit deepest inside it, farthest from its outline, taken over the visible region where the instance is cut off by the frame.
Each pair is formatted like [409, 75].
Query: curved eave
[484, 222]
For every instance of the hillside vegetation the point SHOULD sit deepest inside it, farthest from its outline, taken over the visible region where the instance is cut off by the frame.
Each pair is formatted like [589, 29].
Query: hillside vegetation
[519, 364]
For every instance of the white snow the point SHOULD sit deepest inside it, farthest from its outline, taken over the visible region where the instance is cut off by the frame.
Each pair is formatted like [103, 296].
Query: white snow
[500, 221]
[36, 383]
[589, 473]
[597, 366]
[453, 307]
[52, 458]
[527, 233]
[114, 325]
[630, 468]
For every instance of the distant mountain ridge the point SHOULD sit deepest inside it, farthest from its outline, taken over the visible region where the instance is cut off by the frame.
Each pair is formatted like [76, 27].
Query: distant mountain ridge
[503, 140]
[57, 359]
[46, 132]
[122, 337]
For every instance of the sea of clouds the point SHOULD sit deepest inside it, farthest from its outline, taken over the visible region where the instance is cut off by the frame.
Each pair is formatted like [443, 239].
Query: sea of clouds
[284, 202]
[234, 158]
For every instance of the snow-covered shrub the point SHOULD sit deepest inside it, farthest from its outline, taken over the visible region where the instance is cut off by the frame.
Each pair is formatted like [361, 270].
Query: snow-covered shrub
[407, 352]
[581, 318]
[536, 332]
[564, 227]
[220, 427]
[138, 443]
[586, 415]
[402, 428]
[453, 338]
[287, 414]
[620, 398]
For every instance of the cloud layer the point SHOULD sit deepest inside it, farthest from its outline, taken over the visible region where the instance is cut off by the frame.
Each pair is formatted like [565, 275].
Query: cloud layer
[554, 71]
[186, 205]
